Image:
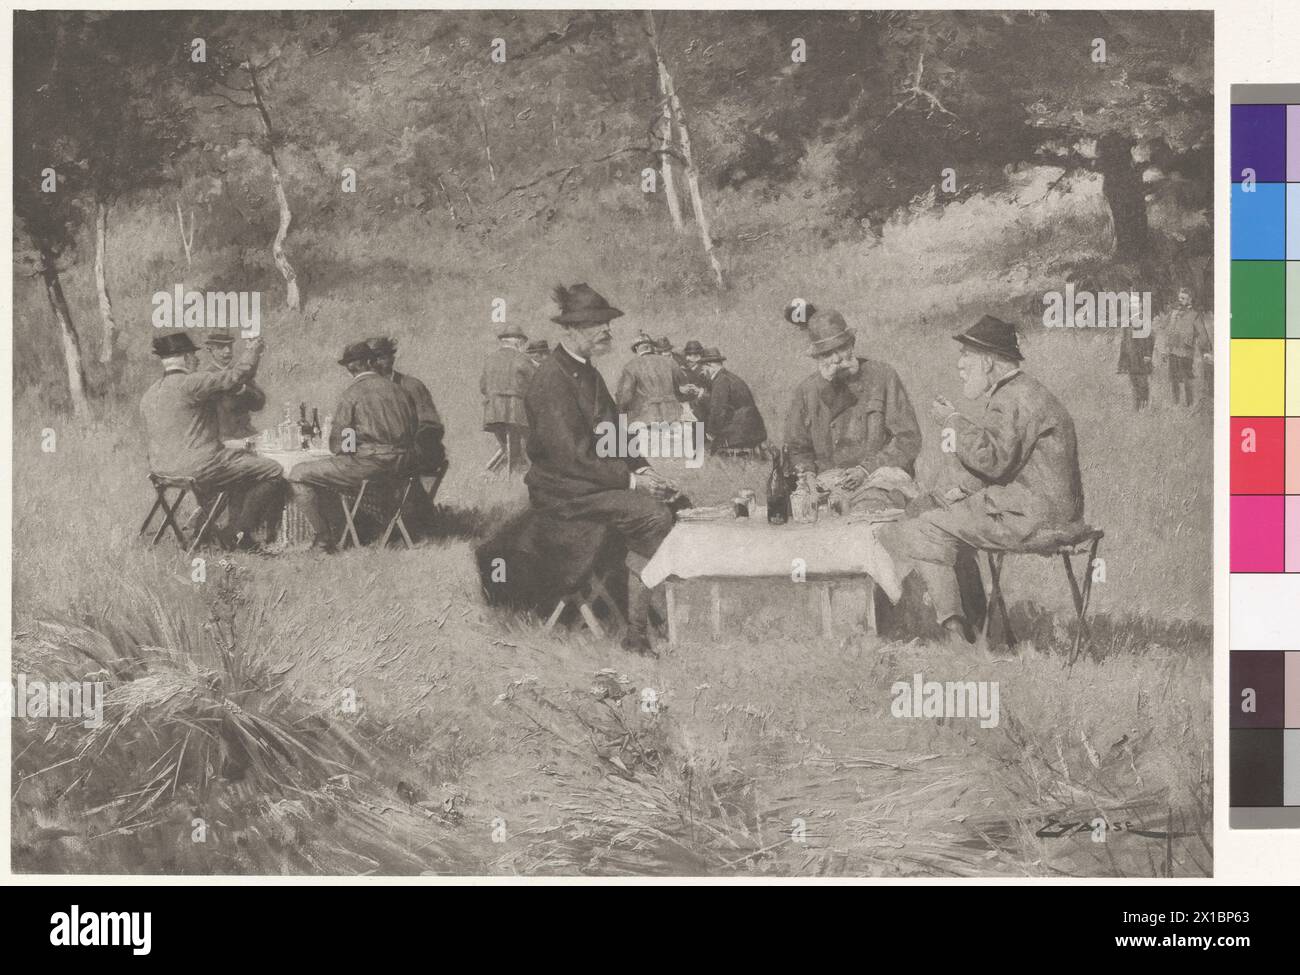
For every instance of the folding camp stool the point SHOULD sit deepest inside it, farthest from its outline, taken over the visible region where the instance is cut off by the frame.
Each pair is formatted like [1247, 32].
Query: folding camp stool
[1083, 542]
[209, 511]
[585, 597]
[394, 519]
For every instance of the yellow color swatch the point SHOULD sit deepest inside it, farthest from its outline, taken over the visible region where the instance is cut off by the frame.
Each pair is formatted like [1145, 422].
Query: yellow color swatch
[1258, 378]
[1293, 377]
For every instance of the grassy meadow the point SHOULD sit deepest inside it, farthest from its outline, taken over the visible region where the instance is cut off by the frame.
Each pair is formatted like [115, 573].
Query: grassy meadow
[482, 744]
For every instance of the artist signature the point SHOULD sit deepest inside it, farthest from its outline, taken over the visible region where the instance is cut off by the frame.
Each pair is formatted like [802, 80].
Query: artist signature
[1055, 829]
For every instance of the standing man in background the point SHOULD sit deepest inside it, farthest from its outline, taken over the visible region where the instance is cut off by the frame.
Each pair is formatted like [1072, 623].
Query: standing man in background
[647, 388]
[504, 382]
[1185, 332]
[1135, 362]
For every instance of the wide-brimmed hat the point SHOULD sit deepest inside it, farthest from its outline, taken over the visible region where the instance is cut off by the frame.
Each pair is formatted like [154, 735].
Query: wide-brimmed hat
[711, 354]
[583, 307]
[175, 343]
[994, 336]
[219, 337]
[643, 339]
[693, 348]
[665, 344]
[538, 347]
[827, 331]
[382, 345]
[357, 352]
[511, 332]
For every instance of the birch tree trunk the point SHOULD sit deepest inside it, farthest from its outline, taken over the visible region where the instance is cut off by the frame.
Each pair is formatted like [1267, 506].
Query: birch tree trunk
[108, 346]
[292, 298]
[187, 241]
[666, 133]
[68, 334]
[692, 175]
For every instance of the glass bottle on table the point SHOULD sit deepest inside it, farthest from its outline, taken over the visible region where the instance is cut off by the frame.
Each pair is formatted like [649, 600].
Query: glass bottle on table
[315, 428]
[778, 491]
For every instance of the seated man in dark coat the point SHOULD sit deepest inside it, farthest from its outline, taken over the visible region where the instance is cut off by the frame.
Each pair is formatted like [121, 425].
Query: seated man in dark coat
[182, 412]
[429, 458]
[373, 436]
[733, 422]
[570, 481]
[1021, 481]
[429, 451]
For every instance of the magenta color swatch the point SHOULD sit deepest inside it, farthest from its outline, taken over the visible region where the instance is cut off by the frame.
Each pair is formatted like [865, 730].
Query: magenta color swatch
[1293, 534]
[1256, 539]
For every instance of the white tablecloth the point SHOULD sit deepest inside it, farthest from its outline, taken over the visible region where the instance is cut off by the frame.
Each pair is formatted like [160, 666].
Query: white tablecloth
[289, 459]
[751, 548]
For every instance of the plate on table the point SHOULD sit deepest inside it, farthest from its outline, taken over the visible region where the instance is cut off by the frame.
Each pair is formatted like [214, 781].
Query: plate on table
[717, 512]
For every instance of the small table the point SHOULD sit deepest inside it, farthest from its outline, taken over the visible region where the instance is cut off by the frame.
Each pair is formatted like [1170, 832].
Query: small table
[831, 552]
[295, 529]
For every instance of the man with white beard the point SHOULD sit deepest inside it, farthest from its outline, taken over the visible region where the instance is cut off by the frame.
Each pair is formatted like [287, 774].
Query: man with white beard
[1020, 470]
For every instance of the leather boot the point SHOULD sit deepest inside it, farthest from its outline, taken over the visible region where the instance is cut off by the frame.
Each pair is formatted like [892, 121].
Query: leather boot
[637, 637]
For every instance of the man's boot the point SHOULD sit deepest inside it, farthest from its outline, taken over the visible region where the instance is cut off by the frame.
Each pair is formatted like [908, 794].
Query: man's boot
[637, 637]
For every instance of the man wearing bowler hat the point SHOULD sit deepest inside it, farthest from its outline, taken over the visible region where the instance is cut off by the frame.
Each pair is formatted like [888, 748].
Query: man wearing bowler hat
[852, 415]
[235, 408]
[692, 382]
[505, 379]
[373, 436]
[572, 482]
[181, 414]
[734, 424]
[647, 390]
[1020, 469]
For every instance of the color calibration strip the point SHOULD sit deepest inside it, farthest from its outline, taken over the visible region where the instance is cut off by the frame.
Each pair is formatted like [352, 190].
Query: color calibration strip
[1264, 395]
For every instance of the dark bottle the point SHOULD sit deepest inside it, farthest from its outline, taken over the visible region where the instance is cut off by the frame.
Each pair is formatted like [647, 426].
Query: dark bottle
[315, 423]
[778, 491]
[304, 428]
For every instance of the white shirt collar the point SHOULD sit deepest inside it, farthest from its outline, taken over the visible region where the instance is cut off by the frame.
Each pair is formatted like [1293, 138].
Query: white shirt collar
[573, 354]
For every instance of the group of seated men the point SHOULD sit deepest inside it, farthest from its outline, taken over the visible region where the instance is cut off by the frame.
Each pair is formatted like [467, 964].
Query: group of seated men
[1018, 468]
[661, 386]
[385, 426]
[1016, 455]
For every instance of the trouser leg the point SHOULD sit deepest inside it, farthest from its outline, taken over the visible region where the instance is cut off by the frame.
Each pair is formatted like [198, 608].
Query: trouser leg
[935, 553]
[310, 499]
[260, 503]
[1141, 390]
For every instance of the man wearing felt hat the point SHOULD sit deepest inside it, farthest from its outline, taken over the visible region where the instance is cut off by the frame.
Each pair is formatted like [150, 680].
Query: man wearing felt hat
[692, 382]
[1019, 461]
[852, 416]
[182, 422]
[646, 390]
[504, 381]
[733, 423]
[234, 410]
[575, 485]
[373, 435]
